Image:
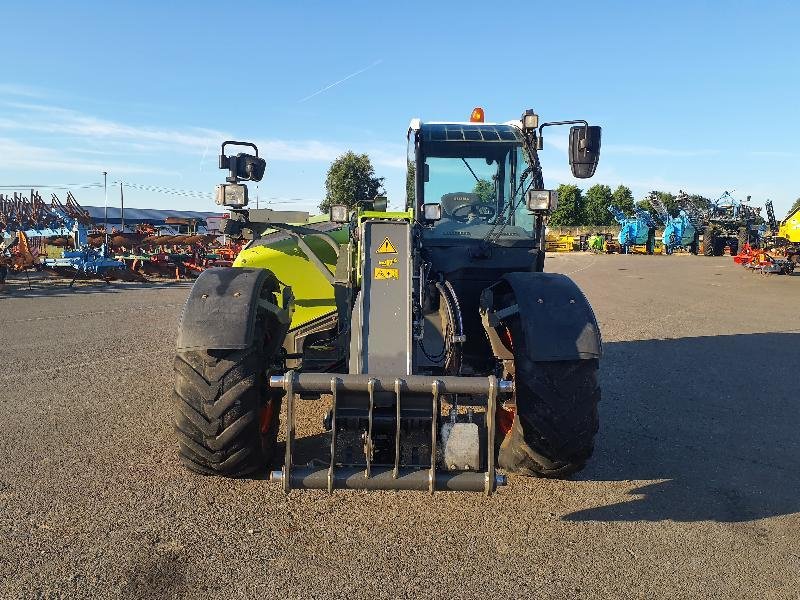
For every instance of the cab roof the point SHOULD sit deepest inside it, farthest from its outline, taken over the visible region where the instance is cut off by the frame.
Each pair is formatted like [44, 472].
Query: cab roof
[469, 132]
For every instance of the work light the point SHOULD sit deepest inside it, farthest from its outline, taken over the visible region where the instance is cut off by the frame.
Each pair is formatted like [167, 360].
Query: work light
[542, 200]
[530, 120]
[338, 213]
[231, 194]
[432, 211]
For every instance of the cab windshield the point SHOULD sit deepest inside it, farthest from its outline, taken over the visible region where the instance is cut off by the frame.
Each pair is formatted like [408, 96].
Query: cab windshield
[477, 186]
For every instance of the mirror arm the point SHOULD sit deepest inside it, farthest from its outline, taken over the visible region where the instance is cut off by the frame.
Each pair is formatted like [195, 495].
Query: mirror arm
[573, 122]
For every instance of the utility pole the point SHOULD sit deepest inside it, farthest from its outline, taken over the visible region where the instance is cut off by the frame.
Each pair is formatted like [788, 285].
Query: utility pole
[105, 208]
[121, 207]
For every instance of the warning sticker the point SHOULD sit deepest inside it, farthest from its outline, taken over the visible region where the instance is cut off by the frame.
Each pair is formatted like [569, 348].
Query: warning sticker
[388, 262]
[387, 273]
[387, 247]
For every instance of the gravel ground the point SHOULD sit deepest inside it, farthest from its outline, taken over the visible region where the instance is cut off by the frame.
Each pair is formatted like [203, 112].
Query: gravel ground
[693, 491]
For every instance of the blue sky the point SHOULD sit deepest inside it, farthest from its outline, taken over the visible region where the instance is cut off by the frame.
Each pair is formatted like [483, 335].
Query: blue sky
[695, 95]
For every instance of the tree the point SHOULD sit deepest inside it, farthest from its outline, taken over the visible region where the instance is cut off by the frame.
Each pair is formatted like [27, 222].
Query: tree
[570, 207]
[411, 189]
[598, 197]
[670, 202]
[701, 202]
[623, 199]
[351, 178]
[485, 190]
[644, 204]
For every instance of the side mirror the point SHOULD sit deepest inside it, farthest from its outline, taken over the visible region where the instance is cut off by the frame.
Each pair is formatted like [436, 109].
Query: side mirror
[339, 213]
[432, 211]
[584, 150]
[540, 201]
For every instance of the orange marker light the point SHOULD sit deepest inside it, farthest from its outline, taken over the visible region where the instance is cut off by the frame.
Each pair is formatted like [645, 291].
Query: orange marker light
[477, 115]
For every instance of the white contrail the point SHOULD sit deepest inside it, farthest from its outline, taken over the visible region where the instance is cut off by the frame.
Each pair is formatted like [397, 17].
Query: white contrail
[335, 83]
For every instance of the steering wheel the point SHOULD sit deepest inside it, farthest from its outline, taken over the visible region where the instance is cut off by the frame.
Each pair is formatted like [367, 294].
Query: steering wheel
[486, 210]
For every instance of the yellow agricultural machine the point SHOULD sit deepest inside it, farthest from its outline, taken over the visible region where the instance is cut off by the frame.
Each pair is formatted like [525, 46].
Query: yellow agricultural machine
[441, 346]
[561, 243]
[787, 237]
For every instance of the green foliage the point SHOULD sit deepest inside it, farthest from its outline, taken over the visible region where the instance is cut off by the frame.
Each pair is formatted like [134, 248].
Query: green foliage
[411, 190]
[485, 190]
[623, 198]
[570, 209]
[351, 178]
[598, 197]
[644, 204]
[701, 202]
[670, 202]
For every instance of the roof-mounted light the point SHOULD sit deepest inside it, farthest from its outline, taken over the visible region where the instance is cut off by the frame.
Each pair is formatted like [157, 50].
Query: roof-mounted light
[477, 115]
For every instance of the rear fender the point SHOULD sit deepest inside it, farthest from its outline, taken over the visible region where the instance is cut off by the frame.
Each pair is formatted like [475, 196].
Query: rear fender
[556, 317]
[220, 312]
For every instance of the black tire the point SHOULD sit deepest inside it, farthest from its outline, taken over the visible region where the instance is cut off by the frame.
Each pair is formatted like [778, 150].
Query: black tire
[226, 417]
[695, 245]
[556, 418]
[709, 242]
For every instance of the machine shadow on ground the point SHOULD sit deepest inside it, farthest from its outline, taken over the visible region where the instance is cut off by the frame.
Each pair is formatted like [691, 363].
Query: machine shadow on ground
[715, 418]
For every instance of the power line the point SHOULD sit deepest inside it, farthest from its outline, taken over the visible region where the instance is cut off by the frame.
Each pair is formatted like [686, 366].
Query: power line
[195, 194]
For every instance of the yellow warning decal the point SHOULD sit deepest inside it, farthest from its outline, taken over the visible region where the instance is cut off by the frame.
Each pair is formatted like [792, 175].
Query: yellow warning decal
[387, 273]
[388, 262]
[386, 247]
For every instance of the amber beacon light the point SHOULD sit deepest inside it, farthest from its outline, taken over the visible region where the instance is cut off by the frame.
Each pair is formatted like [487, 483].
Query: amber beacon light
[477, 115]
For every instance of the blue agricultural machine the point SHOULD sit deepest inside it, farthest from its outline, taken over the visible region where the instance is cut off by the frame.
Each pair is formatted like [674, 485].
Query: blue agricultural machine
[639, 230]
[682, 231]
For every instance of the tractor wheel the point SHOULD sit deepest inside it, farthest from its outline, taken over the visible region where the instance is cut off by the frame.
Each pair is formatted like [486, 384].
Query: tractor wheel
[744, 238]
[226, 417]
[709, 242]
[556, 418]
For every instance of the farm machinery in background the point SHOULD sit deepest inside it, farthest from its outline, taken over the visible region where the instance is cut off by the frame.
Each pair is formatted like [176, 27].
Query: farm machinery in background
[637, 231]
[31, 218]
[33, 230]
[680, 232]
[730, 223]
[779, 252]
[784, 238]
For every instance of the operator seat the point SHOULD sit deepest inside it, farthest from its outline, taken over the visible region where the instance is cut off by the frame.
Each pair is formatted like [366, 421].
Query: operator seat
[453, 200]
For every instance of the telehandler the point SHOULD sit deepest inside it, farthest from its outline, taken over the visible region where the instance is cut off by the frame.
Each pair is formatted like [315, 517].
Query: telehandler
[443, 348]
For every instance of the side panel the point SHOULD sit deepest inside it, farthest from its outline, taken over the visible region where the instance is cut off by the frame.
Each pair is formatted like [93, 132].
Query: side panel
[221, 309]
[558, 321]
[381, 342]
[314, 295]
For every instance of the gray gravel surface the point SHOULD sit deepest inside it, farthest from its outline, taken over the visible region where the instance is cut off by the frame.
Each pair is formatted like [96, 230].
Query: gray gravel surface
[693, 491]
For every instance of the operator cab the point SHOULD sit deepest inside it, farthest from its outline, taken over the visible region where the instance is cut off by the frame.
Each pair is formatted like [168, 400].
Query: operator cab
[472, 170]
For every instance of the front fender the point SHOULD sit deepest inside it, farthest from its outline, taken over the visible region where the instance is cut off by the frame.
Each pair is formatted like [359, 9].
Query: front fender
[557, 319]
[220, 312]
